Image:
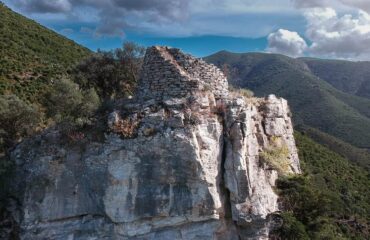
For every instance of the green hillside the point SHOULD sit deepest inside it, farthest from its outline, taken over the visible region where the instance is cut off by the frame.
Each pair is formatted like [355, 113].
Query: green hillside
[31, 55]
[330, 200]
[314, 102]
[349, 77]
[359, 156]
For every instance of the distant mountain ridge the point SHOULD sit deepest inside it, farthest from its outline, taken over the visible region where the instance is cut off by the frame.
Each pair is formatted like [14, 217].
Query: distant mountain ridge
[31, 55]
[314, 101]
[347, 76]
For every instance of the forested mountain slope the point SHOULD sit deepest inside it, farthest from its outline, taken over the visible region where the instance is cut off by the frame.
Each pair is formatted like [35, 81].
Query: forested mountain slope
[31, 55]
[347, 76]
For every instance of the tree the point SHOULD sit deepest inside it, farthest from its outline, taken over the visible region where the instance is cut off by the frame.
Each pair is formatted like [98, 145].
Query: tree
[70, 106]
[17, 119]
[131, 59]
[113, 74]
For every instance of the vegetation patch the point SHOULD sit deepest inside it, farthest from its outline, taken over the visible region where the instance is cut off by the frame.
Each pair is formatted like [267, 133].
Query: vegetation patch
[346, 150]
[69, 106]
[330, 199]
[113, 74]
[241, 92]
[31, 55]
[18, 119]
[277, 157]
[291, 229]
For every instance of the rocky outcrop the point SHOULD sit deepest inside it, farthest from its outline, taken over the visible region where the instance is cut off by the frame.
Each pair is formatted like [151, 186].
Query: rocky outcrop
[186, 159]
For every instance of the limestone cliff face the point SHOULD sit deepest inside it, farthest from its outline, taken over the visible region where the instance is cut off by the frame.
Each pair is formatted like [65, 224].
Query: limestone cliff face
[186, 159]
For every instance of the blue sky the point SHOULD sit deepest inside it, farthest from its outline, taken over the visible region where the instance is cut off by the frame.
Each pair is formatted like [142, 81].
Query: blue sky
[200, 46]
[318, 28]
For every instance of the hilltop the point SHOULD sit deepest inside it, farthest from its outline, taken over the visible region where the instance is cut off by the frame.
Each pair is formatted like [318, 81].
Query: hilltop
[31, 55]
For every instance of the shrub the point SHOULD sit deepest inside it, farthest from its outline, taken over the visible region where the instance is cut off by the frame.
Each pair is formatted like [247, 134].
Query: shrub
[292, 228]
[69, 106]
[277, 158]
[241, 92]
[18, 119]
[246, 92]
[303, 200]
[113, 74]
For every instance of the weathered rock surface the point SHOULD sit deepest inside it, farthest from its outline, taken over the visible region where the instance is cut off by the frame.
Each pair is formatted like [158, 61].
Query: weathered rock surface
[181, 161]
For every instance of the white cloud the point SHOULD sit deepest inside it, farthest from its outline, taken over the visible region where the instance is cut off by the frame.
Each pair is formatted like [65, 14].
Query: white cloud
[346, 36]
[286, 42]
[330, 35]
[314, 15]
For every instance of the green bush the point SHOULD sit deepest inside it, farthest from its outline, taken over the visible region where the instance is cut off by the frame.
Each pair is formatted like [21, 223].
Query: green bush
[292, 229]
[18, 119]
[114, 74]
[69, 106]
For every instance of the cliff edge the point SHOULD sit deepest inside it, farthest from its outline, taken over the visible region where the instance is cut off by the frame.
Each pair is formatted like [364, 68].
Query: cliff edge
[185, 159]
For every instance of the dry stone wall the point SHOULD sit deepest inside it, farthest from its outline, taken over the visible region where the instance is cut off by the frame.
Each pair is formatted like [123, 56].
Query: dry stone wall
[169, 73]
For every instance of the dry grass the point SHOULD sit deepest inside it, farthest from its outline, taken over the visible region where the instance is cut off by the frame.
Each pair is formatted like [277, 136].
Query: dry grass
[126, 127]
[277, 158]
[240, 92]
